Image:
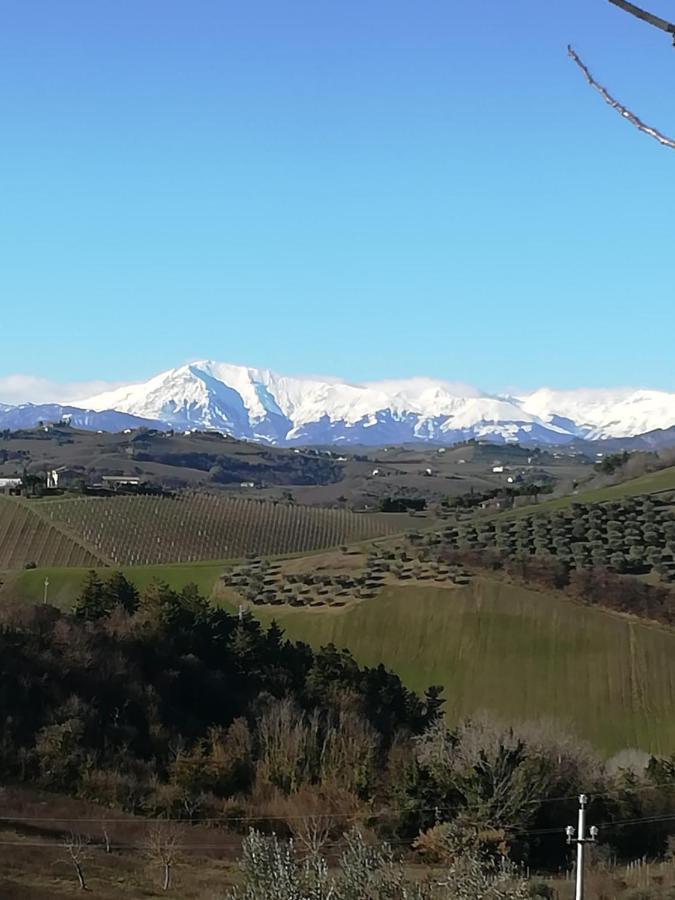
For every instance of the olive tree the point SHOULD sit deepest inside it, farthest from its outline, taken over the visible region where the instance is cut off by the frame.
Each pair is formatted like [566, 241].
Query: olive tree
[274, 870]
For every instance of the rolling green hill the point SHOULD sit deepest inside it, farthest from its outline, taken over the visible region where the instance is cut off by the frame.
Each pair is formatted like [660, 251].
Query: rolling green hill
[520, 653]
[651, 483]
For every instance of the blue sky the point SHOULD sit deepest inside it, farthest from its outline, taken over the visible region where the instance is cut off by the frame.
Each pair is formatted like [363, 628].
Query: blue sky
[366, 189]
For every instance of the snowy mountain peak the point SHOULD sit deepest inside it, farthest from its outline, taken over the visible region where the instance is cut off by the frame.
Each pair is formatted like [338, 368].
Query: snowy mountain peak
[262, 405]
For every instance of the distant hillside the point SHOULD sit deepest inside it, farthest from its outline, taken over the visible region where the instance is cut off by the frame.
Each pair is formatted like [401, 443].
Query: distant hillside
[29, 415]
[358, 478]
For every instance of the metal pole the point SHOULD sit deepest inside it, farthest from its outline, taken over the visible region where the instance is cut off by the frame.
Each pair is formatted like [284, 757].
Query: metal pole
[581, 841]
[44, 596]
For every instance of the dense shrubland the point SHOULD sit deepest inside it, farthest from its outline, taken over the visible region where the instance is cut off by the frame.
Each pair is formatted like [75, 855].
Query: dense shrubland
[163, 706]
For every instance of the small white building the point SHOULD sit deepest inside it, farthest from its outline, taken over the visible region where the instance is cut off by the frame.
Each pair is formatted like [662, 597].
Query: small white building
[498, 470]
[7, 485]
[115, 482]
[247, 484]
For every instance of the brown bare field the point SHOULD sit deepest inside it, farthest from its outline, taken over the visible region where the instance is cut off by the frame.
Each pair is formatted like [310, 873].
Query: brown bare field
[35, 865]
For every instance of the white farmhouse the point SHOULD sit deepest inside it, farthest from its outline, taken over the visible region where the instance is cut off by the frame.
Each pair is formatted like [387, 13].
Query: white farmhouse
[7, 485]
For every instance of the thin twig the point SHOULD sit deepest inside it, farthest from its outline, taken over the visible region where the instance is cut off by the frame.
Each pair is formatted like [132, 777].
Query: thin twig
[648, 17]
[623, 112]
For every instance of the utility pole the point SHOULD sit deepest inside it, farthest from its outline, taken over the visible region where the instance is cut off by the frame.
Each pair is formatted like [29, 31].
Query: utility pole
[44, 596]
[581, 840]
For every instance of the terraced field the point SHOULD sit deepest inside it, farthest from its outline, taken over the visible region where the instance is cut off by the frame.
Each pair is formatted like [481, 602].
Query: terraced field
[521, 653]
[26, 539]
[138, 531]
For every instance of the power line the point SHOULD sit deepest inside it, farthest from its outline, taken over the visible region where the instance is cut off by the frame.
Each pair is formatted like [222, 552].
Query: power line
[516, 832]
[370, 814]
[55, 844]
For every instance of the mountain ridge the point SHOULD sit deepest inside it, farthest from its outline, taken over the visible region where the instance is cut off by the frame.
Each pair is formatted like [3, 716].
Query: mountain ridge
[259, 404]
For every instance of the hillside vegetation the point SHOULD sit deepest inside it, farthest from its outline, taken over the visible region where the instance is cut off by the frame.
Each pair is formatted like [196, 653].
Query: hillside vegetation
[651, 483]
[633, 535]
[158, 705]
[143, 530]
[522, 653]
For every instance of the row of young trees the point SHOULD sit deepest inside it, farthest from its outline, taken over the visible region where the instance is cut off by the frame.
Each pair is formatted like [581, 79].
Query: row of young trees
[144, 530]
[635, 535]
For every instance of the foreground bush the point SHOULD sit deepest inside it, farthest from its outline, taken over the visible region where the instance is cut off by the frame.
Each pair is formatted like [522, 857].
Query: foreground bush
[273, 870]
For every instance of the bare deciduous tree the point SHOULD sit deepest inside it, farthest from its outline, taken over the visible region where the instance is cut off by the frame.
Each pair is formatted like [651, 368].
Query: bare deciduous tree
[76, 847]
[163, 846]
[106, 837]
[611, 101]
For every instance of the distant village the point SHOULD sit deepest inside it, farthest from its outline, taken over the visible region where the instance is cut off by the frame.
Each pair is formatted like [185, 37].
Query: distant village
[55, 481]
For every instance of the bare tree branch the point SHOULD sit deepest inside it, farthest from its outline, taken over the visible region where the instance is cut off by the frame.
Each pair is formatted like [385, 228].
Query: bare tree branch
[625, 113]
[645, 16]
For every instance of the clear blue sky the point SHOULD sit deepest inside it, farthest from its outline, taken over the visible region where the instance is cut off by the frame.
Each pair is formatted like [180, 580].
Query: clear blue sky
[361, 188]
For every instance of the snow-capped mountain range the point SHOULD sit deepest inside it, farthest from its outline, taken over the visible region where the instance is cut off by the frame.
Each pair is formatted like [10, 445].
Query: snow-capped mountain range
[257, 404]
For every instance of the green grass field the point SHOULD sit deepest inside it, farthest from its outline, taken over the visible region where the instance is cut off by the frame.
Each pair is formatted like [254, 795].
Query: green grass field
[66, 583]
[520, 653]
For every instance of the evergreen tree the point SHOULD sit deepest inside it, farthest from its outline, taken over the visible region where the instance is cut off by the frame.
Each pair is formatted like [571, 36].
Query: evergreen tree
[94, 600]
[121, 592]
